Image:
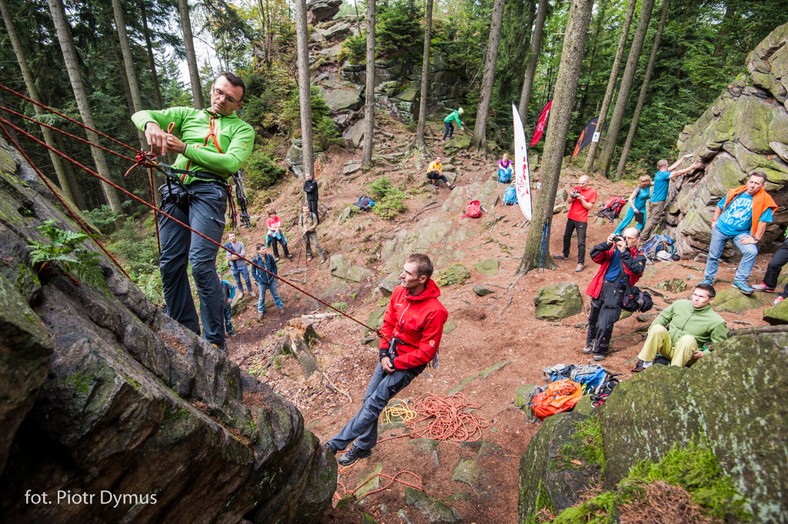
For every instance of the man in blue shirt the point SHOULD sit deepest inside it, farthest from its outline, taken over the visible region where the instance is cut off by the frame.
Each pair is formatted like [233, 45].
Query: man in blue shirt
[742, 217]
[659, 194]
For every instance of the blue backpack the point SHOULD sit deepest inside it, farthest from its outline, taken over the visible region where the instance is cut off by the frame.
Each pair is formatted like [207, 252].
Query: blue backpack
[510, 196]
[364, 203]
[589, 376]
[658, 243]
[504, 175]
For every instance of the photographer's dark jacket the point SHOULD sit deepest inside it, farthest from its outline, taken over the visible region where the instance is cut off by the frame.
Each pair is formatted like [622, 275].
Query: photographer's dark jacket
[416, 320]
[632, 261]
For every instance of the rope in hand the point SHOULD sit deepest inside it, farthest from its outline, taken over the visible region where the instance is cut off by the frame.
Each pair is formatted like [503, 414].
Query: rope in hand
[142, 161]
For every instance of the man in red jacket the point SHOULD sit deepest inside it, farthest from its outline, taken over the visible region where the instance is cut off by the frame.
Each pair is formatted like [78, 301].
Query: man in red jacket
[620, 263]
[410, 338]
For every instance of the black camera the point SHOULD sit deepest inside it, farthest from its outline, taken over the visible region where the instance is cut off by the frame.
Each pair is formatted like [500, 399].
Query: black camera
[575, 194]
[616, 238]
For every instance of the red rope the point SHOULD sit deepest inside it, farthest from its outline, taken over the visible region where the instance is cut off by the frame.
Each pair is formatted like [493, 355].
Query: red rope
[447, 418]
[163, 213]
[391, 480]
[65, 204]
[58, 113]
[63, 132]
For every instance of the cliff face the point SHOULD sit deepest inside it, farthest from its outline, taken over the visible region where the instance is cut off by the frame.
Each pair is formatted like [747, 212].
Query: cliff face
[745, 129]
[111, 411]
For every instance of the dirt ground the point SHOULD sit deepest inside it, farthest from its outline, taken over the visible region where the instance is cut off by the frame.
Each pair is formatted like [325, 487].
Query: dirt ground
[496, 329]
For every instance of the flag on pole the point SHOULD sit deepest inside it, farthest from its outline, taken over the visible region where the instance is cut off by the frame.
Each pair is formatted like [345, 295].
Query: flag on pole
[541, 124]
[522, 175]
[585, 137]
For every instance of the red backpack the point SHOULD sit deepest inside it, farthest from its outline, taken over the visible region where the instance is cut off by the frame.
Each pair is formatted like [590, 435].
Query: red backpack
[561, 395]
[474, 209]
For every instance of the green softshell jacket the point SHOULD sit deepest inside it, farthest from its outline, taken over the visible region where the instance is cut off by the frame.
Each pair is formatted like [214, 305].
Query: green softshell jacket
[233, 136]
[680, 318]
[454, 115]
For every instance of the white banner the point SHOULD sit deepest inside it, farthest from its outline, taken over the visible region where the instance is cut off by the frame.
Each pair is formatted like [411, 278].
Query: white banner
[522, 175]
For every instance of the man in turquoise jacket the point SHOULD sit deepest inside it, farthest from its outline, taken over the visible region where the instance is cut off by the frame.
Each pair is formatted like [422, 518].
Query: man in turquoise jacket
[212, 144]
[684, 330]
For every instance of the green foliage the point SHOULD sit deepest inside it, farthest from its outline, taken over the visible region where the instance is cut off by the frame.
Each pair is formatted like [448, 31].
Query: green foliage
[398, 30]
[104, 218]
[64, 248]
[324, 131]
[354, 49]
[542, 502]
[585, 444]
[389, 200]
[261, 171]
[694, 468]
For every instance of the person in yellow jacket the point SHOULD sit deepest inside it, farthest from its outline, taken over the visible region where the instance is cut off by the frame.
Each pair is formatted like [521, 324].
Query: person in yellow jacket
[435, 172]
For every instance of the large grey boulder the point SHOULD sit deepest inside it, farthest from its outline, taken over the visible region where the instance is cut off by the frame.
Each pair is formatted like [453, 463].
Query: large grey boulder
[102, 392]
[558, 301]
[342, 267]
[321, 10]
[342, 98]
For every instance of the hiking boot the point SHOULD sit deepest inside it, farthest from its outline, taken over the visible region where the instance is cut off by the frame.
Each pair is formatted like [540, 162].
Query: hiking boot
[579, 268]
[763, 287]
[289, 256]
[353, 455]
[276, 259]
[260, 315]
[588, 350]
[322, 260]
[778, 300]
[220, 347]
[232, 333]
[451, 187]
[598, 357]
[240, 295]
[330, 448]
[561, 257]
[309, 258]
[708, 281]
[640, 366]
[743, 287]
[281, 311]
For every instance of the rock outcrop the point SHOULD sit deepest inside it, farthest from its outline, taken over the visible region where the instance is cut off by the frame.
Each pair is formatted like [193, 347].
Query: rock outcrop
[727, 400]
[745, 129]
[111, 411]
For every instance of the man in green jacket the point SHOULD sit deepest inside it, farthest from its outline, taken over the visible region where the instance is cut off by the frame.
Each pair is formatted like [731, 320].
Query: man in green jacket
[684, 330]
[212, 144]
[454, 116]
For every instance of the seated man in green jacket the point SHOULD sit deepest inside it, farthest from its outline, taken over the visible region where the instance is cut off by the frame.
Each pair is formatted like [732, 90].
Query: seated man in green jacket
[211, 144]
[684, 330]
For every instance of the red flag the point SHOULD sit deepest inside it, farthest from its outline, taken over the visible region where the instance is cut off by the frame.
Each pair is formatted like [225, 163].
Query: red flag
[541, 124]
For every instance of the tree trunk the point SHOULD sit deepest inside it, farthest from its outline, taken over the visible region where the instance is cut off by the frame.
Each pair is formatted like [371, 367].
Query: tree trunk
[643, 90]
[128, 63]
[536, 253]
[425, 74]
[80, 95]
[304, 88]
[191, 56]
[626, 85]
[151, 59]
[479, 140]
[536, 46]
[588, 166]
[369, 105]
[27, 75]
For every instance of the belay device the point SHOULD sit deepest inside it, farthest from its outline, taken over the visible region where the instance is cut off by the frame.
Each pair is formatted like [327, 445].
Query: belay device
[240, 197]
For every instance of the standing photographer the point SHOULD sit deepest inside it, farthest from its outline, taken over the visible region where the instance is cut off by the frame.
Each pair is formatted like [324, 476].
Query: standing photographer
[619, 260]
[581, 199]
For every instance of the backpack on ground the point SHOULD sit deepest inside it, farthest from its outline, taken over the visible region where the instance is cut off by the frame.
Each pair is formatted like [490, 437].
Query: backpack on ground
[364, 203]
[510, 196]
[504, 175]
[559, 396]
[589, 377]
[474, 209]
[600, 394]
[613, 208]
[658, 243]
[558, 372]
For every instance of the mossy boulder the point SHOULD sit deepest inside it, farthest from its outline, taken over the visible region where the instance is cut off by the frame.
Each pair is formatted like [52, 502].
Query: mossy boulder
[342, 267]
[488, 268]
[434, 510]
[461, 141]
[778, 314]
[558, 301]
[455, 274]
[674, 285]
[732, 300]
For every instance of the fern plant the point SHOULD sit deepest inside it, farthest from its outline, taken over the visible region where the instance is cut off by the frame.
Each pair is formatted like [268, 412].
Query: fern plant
[64, 248]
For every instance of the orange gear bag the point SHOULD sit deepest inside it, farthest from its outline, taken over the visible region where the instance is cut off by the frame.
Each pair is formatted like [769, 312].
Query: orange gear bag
[560, 396]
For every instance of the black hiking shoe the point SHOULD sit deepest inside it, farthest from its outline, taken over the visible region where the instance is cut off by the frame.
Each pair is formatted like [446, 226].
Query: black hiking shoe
[353, 455]
[330, 449]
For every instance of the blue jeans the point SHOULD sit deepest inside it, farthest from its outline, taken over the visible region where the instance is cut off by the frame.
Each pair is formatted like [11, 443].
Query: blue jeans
[203, 211]
[717, 245]
[261, 300]
[363, 427]
[449, 130]
[242, 271]
[228, 325]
